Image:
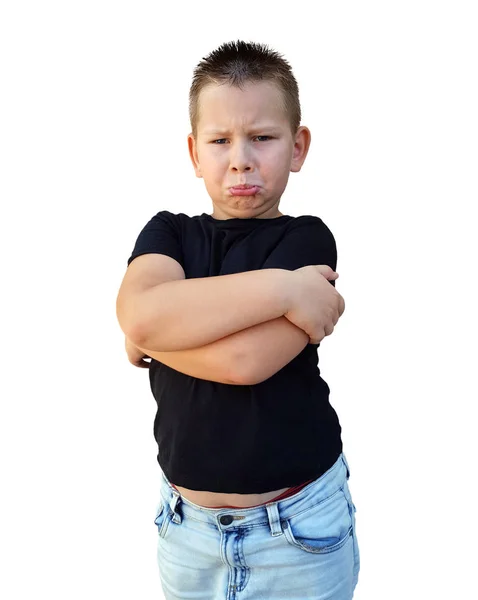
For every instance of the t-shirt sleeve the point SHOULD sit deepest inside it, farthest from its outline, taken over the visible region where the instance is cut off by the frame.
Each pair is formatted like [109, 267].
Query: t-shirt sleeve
[308, 242]
[161, 235]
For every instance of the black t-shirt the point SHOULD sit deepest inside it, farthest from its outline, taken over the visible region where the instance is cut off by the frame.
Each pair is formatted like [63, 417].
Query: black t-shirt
[244, 439]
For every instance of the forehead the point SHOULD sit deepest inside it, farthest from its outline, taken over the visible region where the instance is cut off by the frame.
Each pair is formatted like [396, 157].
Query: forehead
[224, 106]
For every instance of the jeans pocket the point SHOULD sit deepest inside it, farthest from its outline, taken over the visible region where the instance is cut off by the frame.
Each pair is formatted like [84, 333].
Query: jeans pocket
[323, 528]
[162, 518]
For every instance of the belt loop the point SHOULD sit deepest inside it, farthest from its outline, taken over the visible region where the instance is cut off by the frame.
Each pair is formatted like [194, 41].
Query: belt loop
[274, 519]
[346, 465]
[172, 505]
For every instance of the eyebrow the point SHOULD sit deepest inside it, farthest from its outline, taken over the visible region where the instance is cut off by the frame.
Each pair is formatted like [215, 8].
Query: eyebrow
[252, 130]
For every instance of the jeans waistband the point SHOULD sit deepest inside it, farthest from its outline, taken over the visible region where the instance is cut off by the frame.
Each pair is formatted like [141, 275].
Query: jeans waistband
[271, 512]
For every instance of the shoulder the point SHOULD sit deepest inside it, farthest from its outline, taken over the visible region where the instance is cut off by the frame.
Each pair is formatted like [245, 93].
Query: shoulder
[166, 216]
[167, 221]
[310, 224]
[311, 220]
[178, 219]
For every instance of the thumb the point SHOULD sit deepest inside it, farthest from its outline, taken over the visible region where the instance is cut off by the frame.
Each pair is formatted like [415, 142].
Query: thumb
[327, 272]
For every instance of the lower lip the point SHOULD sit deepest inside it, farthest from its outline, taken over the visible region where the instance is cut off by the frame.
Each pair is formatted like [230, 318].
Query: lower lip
[244, 192]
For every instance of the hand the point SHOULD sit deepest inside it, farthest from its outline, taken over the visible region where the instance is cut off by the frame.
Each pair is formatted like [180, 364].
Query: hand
[136, 355]
[316, 305]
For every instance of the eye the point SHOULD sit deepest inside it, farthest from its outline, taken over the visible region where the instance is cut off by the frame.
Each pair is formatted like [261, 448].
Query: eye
[220, 141]
[264, 138]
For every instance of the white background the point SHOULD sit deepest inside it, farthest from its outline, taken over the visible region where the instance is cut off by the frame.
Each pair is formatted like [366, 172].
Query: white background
[93, 127]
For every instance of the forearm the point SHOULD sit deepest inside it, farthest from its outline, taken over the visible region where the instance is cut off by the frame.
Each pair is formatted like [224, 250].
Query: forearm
[218, 361]
[191, 313]
[243, 358]
[265, 349]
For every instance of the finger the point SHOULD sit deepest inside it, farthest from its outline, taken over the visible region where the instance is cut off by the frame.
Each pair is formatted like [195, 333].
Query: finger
[142, 364]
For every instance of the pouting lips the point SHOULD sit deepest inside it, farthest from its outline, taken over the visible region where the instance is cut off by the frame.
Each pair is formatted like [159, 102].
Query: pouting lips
[244, 190]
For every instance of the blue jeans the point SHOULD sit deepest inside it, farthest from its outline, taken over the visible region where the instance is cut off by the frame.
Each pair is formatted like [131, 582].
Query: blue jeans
[301, 548]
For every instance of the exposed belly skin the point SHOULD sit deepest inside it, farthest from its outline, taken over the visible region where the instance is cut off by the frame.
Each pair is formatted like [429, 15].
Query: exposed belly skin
[214, 499]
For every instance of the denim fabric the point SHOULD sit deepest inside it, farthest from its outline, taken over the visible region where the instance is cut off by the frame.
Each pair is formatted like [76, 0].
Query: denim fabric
[301, 548]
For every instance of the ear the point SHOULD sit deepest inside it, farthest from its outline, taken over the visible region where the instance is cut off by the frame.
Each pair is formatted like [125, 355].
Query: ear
[301, 148]
[193, 154]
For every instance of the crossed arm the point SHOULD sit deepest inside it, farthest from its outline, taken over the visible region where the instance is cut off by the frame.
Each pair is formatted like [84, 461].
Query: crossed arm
[247, 357]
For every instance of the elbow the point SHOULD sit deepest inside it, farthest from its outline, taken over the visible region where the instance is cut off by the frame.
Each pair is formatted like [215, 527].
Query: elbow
[250, 379]
[262, 370]
[128, 326]
[245, 374]
[133, 335]
[143, 336]
[140, 337]
[136, 338]
[249, 369]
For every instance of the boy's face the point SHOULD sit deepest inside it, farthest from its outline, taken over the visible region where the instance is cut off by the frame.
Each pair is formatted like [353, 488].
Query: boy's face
[244, 137]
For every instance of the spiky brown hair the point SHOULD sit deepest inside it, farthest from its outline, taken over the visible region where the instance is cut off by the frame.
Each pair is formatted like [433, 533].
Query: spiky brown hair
[237, 63]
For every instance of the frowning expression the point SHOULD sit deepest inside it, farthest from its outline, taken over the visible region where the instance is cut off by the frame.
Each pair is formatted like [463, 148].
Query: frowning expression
[245, 149]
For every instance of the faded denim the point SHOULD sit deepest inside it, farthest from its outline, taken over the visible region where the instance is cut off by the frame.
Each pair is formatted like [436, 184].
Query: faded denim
[301, 548]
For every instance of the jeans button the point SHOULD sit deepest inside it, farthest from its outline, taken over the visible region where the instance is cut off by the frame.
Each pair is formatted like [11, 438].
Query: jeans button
[226, 519]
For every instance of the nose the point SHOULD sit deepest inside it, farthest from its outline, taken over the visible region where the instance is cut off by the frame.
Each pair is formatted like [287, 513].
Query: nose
[241, 159]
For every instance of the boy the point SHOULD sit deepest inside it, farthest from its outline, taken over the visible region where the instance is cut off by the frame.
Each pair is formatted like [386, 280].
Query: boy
[231, 307]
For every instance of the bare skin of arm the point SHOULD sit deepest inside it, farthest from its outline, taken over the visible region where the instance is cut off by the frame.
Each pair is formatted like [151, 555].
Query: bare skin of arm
[255, 352]
[247, 357]
[214, 362]
[159, 310]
